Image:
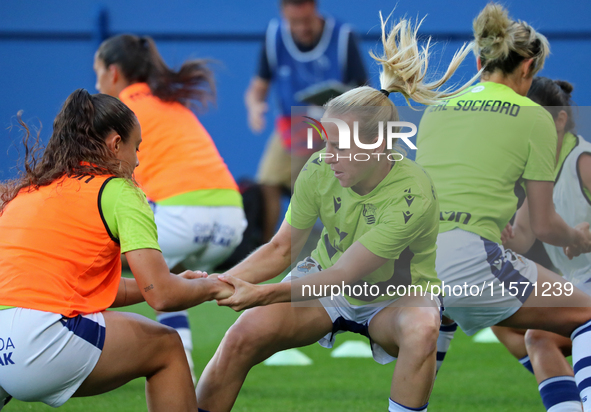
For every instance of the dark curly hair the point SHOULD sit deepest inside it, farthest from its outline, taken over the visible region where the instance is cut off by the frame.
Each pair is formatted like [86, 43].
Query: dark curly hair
[77, 145]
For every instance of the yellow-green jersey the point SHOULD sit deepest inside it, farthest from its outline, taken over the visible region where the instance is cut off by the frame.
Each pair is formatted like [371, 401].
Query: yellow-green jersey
[397, 220]
[478, 148]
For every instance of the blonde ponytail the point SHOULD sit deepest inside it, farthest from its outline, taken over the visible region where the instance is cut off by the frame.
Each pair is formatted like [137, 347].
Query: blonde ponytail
[404, 69]
[404, 66]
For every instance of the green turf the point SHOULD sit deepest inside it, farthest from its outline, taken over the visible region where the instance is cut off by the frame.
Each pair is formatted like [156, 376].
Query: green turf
[481, 377]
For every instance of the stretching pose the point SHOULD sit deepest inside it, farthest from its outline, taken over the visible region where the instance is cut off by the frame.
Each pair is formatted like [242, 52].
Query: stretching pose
[196, 203]
[572, 201]
[496, 139]
[64, 224]
[380, 217]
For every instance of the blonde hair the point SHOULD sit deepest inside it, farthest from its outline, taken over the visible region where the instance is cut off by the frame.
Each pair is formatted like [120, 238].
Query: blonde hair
[502, 43]
[404, 69]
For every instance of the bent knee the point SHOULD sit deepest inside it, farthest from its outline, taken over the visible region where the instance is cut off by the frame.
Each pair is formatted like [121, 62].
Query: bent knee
[242, 340]
[420, 330]
[168, 339]
[538, 339]
[542, 340]
[422, 327]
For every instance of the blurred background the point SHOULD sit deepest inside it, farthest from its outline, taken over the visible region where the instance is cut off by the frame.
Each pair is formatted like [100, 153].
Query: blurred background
[47, 49]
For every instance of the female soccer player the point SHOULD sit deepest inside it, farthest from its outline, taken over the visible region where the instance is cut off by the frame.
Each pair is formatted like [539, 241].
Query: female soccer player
[572, 202]
[65, 222]
[196, 203]
[380, 225]
[479, 147]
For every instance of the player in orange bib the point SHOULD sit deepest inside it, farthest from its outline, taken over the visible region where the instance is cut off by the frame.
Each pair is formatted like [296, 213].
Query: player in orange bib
[64, 224]
[197, 206]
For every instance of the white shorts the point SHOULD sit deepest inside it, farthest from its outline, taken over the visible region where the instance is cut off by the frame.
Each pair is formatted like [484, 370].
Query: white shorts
[467, 259]
[346, 317]
[201, 237]
[45, 357]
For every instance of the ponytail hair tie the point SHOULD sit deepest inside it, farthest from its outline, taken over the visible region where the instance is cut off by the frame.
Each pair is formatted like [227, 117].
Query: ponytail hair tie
[385, 92]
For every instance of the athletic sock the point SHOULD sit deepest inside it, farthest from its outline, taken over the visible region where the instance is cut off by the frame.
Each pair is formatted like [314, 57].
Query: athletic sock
[446, 334]
[581, 338]
[560, 394]
[396, 407]
[180, 322]
[526, 363]
[201, 410]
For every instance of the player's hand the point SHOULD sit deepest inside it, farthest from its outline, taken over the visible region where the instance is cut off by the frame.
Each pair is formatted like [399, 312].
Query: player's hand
[583, 244]
[245, 294]
[190, 274]
[507, 233]
[225, 289]
[256, 116]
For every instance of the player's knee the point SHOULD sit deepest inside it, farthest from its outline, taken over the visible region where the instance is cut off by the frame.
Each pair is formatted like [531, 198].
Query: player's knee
[169, 341]
[420, 331]
[240, 341]
[538, 340]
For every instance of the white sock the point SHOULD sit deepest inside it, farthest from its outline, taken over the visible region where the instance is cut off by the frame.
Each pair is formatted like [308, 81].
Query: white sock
[560, 394]
[396, 407]
[446, 334]
[581, 338]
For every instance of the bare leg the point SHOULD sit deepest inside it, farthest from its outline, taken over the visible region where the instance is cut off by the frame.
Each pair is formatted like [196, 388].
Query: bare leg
[513, 339]
[134, 347]
[256, 335]
[408, 329]
[559, 314]
[547, 353]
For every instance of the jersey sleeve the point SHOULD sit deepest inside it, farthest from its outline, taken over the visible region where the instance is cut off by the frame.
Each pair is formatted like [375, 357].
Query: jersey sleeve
[128, 216]
[303, 209]
[397, 229]
[541, 160]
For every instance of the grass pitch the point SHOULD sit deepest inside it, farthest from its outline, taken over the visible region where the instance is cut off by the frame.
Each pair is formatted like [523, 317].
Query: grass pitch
[481, 377]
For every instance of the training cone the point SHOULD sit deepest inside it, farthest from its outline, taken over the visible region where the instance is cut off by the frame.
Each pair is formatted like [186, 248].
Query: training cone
[485, 336]
[290, 357]
[352, 349]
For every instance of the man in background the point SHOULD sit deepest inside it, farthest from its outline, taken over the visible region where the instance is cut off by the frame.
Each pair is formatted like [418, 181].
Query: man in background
[302, 50]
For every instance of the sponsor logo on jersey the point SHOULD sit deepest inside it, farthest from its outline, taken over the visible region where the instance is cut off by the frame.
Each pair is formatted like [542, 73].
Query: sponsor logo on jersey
[458, 217]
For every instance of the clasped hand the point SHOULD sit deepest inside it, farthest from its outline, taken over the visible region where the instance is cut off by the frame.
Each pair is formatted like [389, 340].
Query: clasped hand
[243, 295]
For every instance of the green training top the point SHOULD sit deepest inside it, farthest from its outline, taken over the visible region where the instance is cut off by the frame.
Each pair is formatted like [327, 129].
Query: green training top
[206, 197]
[397, 220]
[478, 148]
[129, 216]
